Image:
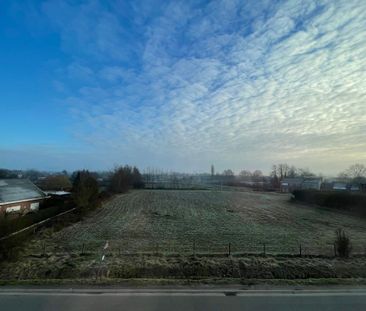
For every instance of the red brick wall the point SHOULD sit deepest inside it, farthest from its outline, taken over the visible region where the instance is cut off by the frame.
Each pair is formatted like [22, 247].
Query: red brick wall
[24, 206]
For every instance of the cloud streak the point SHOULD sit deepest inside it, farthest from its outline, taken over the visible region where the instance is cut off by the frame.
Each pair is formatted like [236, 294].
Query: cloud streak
[231, 83]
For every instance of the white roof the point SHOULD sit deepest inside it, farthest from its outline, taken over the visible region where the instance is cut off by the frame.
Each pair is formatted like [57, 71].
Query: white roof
[14, 190]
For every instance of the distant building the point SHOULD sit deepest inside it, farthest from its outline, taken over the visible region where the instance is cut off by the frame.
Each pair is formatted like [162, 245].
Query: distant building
[291, 184]
[312, 183]
[19, 196]
[355, 187]
[297, 183]
[340, 186]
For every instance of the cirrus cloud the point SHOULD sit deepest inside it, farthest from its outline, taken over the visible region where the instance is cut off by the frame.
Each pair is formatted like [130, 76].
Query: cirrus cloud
[237, 84]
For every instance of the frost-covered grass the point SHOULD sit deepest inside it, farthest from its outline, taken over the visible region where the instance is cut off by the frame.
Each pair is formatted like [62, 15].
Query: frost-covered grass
[173, 221]
[151, 234]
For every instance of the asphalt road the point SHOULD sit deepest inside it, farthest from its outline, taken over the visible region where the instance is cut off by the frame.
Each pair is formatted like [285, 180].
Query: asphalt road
[182, 300]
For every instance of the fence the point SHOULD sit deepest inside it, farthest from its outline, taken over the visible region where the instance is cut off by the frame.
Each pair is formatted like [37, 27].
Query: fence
[34, 227]
[132, 248]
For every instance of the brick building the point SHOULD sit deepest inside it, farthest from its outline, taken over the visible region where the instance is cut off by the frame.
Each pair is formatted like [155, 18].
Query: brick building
[19, 196]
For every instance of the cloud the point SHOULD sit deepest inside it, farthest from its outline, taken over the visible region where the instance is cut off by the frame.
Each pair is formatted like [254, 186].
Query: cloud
[239, 84]
[80, 72]
[89, 29]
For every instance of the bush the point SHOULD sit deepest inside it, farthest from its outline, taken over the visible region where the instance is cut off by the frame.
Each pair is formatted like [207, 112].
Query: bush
[124, 178]
[85, 191]
[354, 202]
[5, 226]
[9, 247]
[56, 182]
[343, 243]
[16, 223]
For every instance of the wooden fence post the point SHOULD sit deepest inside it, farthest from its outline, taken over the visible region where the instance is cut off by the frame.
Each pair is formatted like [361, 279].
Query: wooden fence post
[335, 250]
[300, 250]
[229, 249]
[82, 249]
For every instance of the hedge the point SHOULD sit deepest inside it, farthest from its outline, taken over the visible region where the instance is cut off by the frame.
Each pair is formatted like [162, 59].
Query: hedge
[343, 200]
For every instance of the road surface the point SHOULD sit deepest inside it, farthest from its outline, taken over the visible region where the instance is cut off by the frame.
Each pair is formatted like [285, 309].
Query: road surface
[90, 300]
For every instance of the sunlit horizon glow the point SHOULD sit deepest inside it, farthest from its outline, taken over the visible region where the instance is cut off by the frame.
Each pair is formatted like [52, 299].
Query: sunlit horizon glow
[181, 85]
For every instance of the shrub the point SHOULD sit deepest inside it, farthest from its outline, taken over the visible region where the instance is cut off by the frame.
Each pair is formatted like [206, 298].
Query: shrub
[56, 182]
[85, 191]
[124, 178]
[343, 243]
[354, 202]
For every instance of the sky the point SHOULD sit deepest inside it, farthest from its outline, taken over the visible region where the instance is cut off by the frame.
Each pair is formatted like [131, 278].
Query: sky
[181, 85]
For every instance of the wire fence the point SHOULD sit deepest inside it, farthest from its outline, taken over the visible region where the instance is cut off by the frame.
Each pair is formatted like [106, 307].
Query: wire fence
[119, 248]
[185, 245]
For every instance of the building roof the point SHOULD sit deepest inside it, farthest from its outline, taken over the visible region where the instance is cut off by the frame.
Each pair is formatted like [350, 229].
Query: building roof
[313, 179]
[14, 190]
[293, 180]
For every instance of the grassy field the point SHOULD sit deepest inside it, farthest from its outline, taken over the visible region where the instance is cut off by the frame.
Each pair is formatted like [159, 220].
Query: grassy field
[172, 221]
[136, 223]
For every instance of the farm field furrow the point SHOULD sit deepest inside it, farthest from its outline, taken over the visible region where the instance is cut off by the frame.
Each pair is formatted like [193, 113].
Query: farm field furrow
[172, 220]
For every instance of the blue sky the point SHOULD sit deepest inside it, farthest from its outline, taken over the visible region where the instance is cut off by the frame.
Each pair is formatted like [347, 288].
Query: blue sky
[182, 84]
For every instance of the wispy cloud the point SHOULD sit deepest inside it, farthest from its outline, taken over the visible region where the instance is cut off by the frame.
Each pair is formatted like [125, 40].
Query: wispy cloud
[236, 83]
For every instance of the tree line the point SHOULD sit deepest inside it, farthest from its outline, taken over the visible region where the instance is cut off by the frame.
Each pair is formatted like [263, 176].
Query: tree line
[355, 173]
[85, 189]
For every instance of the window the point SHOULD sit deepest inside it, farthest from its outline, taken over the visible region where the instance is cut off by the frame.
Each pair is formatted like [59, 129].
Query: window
[13, 209]
[34, 206]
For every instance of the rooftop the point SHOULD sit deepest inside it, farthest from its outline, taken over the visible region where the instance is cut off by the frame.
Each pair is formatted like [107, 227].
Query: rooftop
[293, 180]
[12, 190]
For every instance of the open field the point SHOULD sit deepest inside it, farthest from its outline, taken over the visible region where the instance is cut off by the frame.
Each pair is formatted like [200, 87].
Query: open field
[151, 234]
[175, 220]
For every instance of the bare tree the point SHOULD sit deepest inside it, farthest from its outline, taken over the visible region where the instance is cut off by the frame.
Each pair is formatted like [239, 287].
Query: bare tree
[283, 170]
[356, 172]
[274, 177]
[245, 174]
[257, 175]
[274, 171]
[292, 172]
[228, 172]
[343, 177]
[305, 172]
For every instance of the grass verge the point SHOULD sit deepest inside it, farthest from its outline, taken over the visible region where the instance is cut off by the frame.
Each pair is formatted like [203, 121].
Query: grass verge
[170, 283]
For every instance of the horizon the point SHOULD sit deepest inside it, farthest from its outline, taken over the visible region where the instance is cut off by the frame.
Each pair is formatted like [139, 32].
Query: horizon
[167, 171]
[181, 85]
